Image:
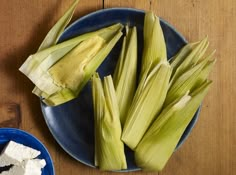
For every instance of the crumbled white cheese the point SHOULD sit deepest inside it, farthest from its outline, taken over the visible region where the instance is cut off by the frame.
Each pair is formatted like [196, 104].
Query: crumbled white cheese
[14, 153]
[27, 167]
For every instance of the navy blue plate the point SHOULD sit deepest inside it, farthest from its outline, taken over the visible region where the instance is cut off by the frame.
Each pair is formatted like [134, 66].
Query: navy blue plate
[19, 136]
[72, 123]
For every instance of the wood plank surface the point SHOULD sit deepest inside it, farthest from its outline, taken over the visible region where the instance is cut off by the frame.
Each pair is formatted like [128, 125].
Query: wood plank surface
[211, 147]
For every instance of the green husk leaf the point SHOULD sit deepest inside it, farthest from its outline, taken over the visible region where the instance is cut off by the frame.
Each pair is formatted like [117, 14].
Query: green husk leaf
[147, 103]
[204, 73]
[189, 79]
[120, 63]
[98, 106]
[177, 59]
[109, 149]
[55, 32]
[125, 73]
[197, 51]
[53, 36]
[154, 49]
[160, 141]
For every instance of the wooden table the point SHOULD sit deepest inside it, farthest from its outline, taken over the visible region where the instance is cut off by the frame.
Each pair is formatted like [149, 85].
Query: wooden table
[211, 147]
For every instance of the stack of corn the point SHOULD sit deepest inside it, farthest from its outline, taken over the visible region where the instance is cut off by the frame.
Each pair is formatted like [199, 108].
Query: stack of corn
[149, 118]
[186, 87]
[156, 113]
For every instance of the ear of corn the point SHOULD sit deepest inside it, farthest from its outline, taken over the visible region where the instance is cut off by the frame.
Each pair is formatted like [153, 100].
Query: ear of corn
[160, 140]
[105, 33]
[88, 50]
[86, 72]
[38, 64]
[53, 36]
[146, 104]
[125, 72]
[109, 149]
[154, 49]
[67, 72]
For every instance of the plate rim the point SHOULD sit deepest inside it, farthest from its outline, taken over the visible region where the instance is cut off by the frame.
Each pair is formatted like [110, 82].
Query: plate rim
[78, 20]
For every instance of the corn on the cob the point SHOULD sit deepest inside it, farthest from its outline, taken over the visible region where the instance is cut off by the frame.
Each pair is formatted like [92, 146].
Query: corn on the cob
[109, 149]
[40, 67]
[147, 103]
[125, 72]
[53, 35]
[160, 140]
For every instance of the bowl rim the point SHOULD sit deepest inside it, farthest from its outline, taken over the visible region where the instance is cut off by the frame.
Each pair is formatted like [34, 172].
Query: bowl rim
[32, 137]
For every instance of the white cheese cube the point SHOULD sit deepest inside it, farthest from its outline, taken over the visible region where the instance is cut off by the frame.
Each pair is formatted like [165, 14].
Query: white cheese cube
[34, 164]
[27, 167]
[14, 153]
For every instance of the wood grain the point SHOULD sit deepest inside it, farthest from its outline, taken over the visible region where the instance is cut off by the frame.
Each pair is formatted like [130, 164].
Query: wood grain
[10, 115]
[211, 147]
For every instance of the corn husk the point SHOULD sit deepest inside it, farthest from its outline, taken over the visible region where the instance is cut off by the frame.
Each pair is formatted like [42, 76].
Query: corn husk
[109, 149]
[204, 73]
[98, 106]
[125, 73]
[177, 59]
[68, 72]
[39, 67]
[188, 57]
[159, 142]
[154, 48]
[85, 72]
[55, 32]
[147, 103]
[53, 35]
[190, 79]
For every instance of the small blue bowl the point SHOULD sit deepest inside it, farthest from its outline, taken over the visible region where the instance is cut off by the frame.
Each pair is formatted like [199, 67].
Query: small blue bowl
[22, 137]
[71, 123]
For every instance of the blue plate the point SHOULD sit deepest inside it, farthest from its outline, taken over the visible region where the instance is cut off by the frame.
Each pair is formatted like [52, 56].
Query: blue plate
[72, 123]
[19, 136]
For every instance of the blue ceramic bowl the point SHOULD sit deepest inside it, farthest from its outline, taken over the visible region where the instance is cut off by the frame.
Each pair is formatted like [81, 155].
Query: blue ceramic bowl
[72, 123]
[19, 136]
